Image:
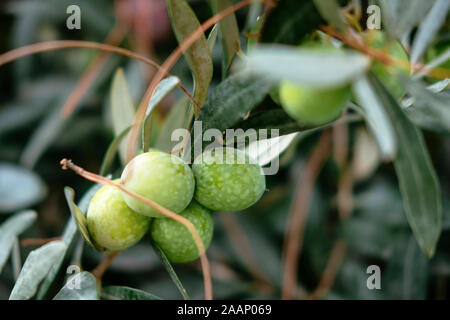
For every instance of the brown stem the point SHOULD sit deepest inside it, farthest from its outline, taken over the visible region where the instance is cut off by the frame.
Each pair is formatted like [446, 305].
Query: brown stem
[114, 38]
[170, 62]
[68, 164]
[37, 241]
[100, 270]
[439, 73]
[329, 275]
[297, 219]
[69, 44]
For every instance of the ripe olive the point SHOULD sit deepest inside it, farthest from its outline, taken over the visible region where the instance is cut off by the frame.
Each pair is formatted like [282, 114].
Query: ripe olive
[111, 223]
[227, 180]
[175, 239]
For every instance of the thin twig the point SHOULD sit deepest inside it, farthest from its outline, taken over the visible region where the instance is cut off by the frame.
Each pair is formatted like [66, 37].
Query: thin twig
[297, 219]
[243, 248]
[79, 44]
[114, 38]
[68, 164]
[99, 271]
[438, 73]
[170, 62]
[329, 275]
[37, 241]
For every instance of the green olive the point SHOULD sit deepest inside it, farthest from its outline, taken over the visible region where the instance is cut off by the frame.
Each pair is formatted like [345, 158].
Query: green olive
[313, 106]
[111, 223]
[160, 177]
[226, 180]
[175, 239]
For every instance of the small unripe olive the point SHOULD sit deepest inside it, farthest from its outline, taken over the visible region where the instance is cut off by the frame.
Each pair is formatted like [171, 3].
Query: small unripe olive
[111, 223]
[387, 74]
[313, 105]
[160, 177]
[175, 239]
[227, 180]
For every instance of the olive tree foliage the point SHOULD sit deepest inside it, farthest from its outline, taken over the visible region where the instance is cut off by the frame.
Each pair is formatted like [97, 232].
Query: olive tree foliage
[398, 146]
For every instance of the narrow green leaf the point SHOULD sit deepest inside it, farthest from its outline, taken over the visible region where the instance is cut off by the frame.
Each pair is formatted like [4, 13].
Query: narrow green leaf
[264, 151]
[110, 154]
[80, 219]
[377, 118]
[16, 259]
[81, 286]
[126, 293]
[428, 109]
[303, 65]
[122, 108]
[171, 271]
[36, 267]
[419, 184]
[229, 102]
[229, 31]
[290, 22]
[212, 36]
[163, 89]
[68, 237]
[10, 229]
[19, 188]
[174, 120]
[330, 11]
[428, 29]
[198, 56]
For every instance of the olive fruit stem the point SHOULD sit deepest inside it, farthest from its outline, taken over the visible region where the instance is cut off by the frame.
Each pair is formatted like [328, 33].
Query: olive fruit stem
[68, 164]
[103, 266]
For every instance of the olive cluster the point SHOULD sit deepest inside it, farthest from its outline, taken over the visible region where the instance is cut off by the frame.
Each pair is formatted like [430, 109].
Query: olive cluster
[221, 179]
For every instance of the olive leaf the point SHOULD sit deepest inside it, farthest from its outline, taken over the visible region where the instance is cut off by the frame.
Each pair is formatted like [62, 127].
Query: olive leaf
[68, 236]
[170, 271]
[81, 286]
[290, 22]
[122, 108]
[10, 229]
[80, 219]
[229, 102]
[377, 118]
[418, 180]
[162, 90]
[429, 110]
[229, 31]
[198, 56]
[428, 29]
[174, 120]
[303, 65]
[330, 11]
[19, 187]
[36, 267]
[126, 293]
[110, 154]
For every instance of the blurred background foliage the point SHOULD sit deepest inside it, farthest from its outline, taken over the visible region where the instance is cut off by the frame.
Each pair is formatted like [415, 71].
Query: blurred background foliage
[246, 253]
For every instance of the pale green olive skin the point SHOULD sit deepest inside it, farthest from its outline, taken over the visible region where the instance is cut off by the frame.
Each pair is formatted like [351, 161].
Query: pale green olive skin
[313, 106]
[175, 239]
[111, 223]
[231, 185]
[160, 177]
